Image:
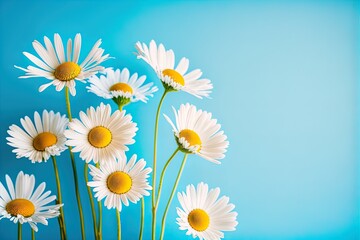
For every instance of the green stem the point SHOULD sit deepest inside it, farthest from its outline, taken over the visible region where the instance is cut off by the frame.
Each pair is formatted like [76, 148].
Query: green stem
[78, 199]
[61, 218]
[100, 215]
[68, 108]
[171, 197]
[32, 234]
[100, 221]
[19, 231]
[93, 213]
[118, 223]
[162, 178]
[120, 107]
[74, 169]
[142, 215]
[154, 167]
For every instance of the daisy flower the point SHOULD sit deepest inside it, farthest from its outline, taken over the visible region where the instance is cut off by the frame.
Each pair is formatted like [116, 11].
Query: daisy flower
[100, 135]
[173, 79]
[196, 132]
[21, 203]
[41, 139]
[60, 70]
[203, 215]
[121, 87]
[119, 181]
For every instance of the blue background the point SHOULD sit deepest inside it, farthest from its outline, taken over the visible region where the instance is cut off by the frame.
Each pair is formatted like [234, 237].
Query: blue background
[285, 91]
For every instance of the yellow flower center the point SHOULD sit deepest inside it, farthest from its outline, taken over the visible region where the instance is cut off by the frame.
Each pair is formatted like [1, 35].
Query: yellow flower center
[67, 71]
[119, 182]
[174, 75]
[99, 137]
[20, 206]
[121, 87]
[44, 140]
[199, 220]
[191, 137]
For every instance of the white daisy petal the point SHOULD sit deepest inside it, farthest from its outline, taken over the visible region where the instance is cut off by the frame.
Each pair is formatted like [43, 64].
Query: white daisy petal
[44, 86]
[69, 50]
[77, 47]
[59, 47]
[37, 61]
[44, 54]
[51, 52]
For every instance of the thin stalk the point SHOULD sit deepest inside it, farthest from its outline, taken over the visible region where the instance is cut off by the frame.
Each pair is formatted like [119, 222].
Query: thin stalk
[153, 200]
[120, 107]
[100, 221]
[162, 178]
[100, 215]
[93, 213]
[118, 224]
[142, 216]
[32, 234]
[68, 108]
[61, 218]
[172, 196]
[19, 231]
[81, 216]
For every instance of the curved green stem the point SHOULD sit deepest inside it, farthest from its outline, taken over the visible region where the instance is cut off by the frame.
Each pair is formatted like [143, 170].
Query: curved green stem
[171, 197]
[100, 215]
[74, 169]
[153, 200]
[93, 213]
[162, 178]
[19, 231]
[142, 215]
[61, 218]
[119, 224]
[32, 234]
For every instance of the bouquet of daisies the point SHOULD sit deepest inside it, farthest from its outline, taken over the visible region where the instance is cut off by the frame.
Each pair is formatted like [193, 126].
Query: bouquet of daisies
[102, 135]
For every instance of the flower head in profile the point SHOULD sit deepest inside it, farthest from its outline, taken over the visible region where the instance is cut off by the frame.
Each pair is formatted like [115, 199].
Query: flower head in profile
[173, 78]
[61, 66]
[203, 215]
[119, 181]
[196, 132]
[40, 139]
[20, 203]
[121, 87]
[100, 135]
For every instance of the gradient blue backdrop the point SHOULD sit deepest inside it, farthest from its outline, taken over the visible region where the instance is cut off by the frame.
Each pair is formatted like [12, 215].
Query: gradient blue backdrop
[285, 91]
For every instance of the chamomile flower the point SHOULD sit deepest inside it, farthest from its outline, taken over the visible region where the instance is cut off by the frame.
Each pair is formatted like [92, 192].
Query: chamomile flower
[173, 79]
[121, 87]
[63, 70]
[203, 215]
[20, 203]
[119, 181]
[196, 132]
[100, 135]
[41, 139]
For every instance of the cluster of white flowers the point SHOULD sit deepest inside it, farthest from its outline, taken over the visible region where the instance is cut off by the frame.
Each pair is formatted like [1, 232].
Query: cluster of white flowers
[101, 136]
